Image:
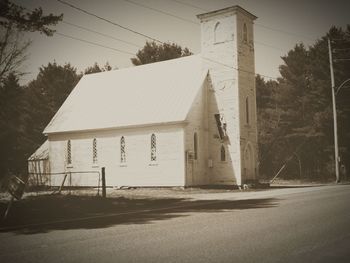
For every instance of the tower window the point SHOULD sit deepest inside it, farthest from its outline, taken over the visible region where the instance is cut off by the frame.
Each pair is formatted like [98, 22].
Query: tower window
[195, 146]
[219, 34]
[69, 152]
[153, 148]
[122, 150]
[247, 110]
[245, 33]
[94, 151]
[223, 153]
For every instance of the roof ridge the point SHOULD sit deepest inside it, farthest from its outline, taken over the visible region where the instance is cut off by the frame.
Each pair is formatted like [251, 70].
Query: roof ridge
[142, 66]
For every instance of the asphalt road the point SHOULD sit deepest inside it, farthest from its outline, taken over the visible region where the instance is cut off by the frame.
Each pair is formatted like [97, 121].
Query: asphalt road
[284, 225]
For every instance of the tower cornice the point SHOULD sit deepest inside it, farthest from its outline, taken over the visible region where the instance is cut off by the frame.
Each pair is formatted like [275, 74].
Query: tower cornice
[231, 9]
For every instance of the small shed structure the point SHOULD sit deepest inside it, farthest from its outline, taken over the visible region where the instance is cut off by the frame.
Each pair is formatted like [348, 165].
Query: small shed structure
[39, 166]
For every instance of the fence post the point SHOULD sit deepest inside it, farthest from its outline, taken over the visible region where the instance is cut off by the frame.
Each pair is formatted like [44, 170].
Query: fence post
[8, 207]
[103, 183]
[70, 183]
[64, 179]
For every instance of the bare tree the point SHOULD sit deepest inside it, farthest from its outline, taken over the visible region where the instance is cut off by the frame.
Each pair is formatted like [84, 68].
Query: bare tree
[14, 20]
[12, 52]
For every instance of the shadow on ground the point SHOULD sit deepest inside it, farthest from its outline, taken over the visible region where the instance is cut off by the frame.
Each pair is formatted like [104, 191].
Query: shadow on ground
[41, 214]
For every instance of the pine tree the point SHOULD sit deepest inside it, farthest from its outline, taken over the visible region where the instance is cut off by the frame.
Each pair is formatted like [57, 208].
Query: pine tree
[153, 52]
[303, 96]
[11, 130]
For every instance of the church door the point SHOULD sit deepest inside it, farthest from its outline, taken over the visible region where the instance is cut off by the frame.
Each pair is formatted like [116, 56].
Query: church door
[249, 167]
[189, 168]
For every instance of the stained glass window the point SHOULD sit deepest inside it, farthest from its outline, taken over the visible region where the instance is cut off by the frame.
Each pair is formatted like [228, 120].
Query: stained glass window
[245, 33]
[153, 148]
[223, 153]
[69, 152]
[195, 146]
[94, 151]
[122, 150]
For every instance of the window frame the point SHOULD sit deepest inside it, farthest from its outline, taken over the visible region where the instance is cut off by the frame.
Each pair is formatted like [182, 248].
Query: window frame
[195, 146]
[247, 111]
[94, 152]
[153, 149]
[69, 158]
[245, 33]
[122, 151]
[218, 38]
[223, 153]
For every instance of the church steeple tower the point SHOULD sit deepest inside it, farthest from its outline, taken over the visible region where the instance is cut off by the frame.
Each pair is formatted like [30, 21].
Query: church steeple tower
[228, 54]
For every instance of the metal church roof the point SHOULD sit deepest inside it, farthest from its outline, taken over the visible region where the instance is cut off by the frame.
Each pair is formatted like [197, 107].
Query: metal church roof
[156, 93]
[42, 153]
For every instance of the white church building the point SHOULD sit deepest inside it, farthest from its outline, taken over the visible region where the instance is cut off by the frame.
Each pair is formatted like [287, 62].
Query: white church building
[189, 121]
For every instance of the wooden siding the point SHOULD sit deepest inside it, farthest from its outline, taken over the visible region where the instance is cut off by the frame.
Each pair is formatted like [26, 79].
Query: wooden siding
[138, 170]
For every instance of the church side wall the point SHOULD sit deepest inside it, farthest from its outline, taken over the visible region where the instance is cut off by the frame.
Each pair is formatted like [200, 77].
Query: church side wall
[137, 170]
[197, 122]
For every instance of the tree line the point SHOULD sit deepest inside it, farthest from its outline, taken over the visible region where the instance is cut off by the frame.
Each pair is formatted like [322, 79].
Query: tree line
[295, 122]
[295, 117]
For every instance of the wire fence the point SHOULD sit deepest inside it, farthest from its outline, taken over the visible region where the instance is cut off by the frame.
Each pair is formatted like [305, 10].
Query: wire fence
[64, 180]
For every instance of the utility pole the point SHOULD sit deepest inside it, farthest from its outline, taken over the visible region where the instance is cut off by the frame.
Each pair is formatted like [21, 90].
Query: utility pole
[336, 152]
[103, 182]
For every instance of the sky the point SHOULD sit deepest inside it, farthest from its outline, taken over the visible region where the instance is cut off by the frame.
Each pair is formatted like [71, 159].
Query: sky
[280, 25]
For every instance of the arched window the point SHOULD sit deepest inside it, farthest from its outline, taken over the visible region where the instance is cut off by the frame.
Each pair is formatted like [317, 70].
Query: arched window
[245, 33]
[69, 152]
[94, 151]
[223, 153]
[219, 34]
[195, 146]
[153, 148]
[247, 110]
[122, 150]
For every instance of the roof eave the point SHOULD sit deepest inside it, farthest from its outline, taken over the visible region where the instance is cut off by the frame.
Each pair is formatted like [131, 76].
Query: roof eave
[139, 126]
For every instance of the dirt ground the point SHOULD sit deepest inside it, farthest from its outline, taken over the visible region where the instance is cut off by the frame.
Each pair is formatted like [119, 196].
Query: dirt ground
[161, 192]
[131, 193]
[43, 211]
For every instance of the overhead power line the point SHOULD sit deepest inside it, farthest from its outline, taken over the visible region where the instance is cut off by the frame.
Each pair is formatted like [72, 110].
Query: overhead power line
[108, 21]
[93, 43]
[341, 39]
[93, 31]
[341, 59]
[194, 6]
[126, 52]
[162, 12]
[243, 70]
[267, 45]
[144, 6]
[340, 49]
[258, 24]
[283, 31]
[99, 33]
[189, 21]
[108, 36]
